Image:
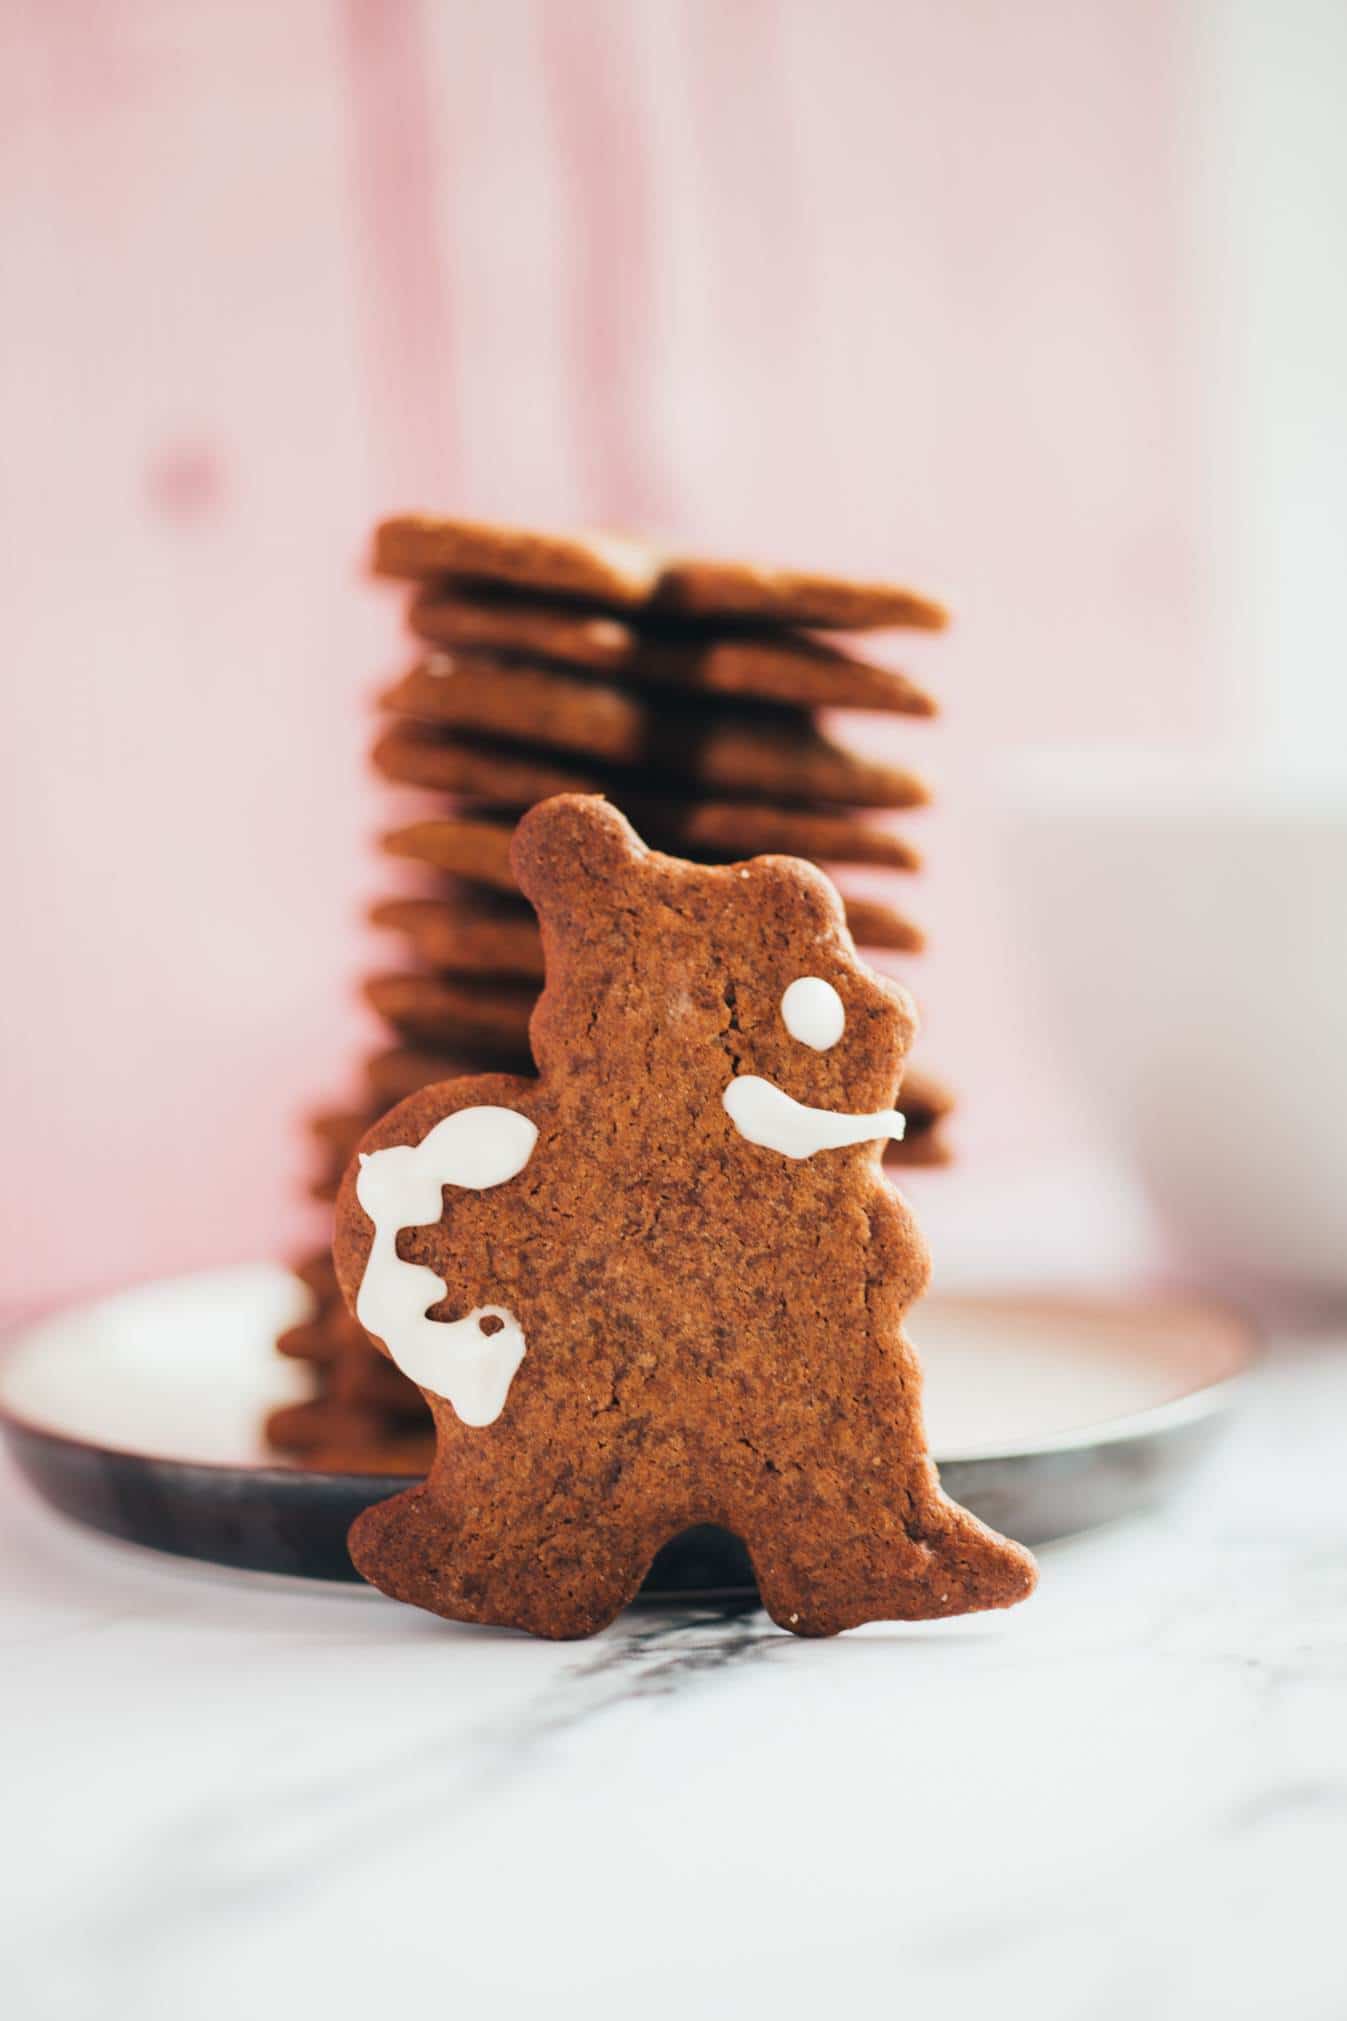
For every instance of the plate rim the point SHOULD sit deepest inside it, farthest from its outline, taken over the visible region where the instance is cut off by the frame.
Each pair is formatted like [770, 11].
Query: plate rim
[1152, 1420]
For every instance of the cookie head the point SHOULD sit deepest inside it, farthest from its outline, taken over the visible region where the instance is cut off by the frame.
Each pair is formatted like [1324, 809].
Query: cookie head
[736, 988]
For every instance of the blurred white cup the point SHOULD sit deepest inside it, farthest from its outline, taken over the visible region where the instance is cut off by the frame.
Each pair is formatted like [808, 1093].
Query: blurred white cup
[1189, 933]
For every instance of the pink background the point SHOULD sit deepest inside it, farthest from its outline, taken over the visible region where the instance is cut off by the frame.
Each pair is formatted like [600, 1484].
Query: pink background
[898, 286]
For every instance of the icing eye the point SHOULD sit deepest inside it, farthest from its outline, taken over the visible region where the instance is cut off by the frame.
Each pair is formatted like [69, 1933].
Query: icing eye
[812, 1012]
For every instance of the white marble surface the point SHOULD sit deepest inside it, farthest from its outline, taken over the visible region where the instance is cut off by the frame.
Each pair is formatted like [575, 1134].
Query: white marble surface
[227, 1796]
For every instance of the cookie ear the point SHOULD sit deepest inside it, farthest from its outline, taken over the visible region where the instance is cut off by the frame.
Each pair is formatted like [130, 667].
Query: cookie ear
[575, 846]
[809, 894]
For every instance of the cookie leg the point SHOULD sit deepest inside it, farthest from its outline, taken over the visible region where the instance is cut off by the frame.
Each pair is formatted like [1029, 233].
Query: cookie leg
[556, 1579]
[905, 1554]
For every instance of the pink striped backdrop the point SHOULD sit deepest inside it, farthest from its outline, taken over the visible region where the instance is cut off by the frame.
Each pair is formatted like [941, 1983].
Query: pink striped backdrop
[888, 284]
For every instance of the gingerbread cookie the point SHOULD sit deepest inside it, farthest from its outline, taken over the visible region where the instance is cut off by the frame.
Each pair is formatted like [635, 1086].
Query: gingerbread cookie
[453, 1011]
[460, 938]
[465, 846]
[365, 1416]
[418, 754]
[519, 627]
[723, 831]
[400, 1071]
[316, 1273]
[598, 566]
[872, 923]
[778, 668]
[767, 753]
[926, 1100]
[764, 666]
[714, 831]
[445, 760]
[314, 1341]
[338, 1131]
[403, 1070]
[326, 1437]
[629, 575]
[664, 1283]
[924, 1147]
[715, 590]
[350, 1369]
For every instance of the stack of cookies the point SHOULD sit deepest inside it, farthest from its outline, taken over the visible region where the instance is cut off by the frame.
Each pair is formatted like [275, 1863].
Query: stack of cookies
[685, 690]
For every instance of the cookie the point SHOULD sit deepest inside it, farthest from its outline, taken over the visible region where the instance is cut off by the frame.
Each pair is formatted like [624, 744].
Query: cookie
[778, 668]
[924, 1099]
[872, 923]
[458, 938]
[316, 1273]
[301, 1427]
[315, 1341]
[323, 1186]
[325, 1437]
[762, 666]
[664, 1283]
[723, 831]
[629, 575]
[523, 627]
[452, 1011]
[400, 1071]
[738, 589]
[417, 754]
[924, 1147]
[445, 760]
[478, 849]
[598, 566]
[770, 755]
[471, 848]
[338, 1131]
[921, 1144]
[405, 1070]
[363, 1376]
[350, 1369]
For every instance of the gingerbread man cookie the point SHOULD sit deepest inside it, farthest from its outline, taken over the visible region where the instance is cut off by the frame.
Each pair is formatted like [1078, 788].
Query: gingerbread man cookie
[664, 1283]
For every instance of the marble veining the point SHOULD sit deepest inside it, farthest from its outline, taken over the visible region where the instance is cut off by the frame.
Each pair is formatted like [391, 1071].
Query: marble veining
[229, 1795]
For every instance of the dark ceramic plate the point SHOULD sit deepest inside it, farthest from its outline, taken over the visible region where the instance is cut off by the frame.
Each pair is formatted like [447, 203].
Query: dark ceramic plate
[139, 1414]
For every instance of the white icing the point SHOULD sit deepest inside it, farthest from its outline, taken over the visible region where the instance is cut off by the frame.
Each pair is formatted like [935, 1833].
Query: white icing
[401, 1188]
[767, 1115]
[813, 1012]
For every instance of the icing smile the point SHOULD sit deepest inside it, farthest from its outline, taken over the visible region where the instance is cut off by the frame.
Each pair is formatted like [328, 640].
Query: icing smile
[765, 1114]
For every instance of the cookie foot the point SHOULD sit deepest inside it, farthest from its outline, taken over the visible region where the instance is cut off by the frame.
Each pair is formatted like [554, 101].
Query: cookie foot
[561, 1585]
[962, 1568]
